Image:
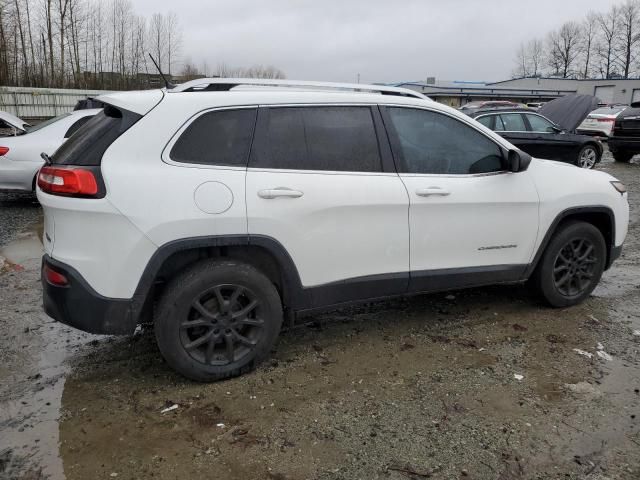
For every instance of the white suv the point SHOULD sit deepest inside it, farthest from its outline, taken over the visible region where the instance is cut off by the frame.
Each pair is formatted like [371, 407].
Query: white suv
[220, 207]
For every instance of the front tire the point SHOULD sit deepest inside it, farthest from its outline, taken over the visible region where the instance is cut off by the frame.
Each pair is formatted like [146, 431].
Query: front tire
[588, 157]
[571, 265]
[218, 320]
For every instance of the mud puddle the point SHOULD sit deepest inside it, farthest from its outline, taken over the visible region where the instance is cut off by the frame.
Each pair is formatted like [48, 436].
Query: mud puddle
[32, 365]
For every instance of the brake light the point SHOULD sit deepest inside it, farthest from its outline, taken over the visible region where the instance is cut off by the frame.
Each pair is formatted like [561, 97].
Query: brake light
[69, 181]
[4, 151]
[609, 120]
[53, 277]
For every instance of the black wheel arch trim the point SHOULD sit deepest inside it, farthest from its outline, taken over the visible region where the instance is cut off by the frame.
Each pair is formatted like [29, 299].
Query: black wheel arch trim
[568, 213]
[294, 294]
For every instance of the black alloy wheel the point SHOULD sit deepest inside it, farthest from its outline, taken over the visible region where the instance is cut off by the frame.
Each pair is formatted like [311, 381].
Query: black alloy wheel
[223, 325]
[574, 267]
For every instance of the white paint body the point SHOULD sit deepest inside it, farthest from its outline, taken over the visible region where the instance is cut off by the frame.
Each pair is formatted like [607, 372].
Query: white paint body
[343, 225]
[19, 166]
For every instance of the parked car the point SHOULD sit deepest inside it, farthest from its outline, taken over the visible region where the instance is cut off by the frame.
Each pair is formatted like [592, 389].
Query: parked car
[600, 121]
[475, 106]
[540, 137]
[624, 141]
[10, 125]
[218, 210]
[20, 156]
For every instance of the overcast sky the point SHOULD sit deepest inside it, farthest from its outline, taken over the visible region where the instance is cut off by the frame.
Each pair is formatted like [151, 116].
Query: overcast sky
[383, 40]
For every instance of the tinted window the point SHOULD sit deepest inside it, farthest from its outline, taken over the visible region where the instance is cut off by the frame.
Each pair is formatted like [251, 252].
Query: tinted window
[486, 121]
[319, 138]
[435, 143]
[92, 139]
[513, 122]
[73, 128]
[217, 138]
[539, 124]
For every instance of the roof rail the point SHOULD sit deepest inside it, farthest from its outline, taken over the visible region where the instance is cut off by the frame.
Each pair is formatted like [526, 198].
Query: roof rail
[226, 84]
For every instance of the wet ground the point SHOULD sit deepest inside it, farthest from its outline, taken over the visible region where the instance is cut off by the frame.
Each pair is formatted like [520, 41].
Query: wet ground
[480, 384]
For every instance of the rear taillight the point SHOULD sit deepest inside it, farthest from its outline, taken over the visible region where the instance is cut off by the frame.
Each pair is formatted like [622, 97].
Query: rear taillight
[54, 277]
[70, 181]
[607, 120]
[4, 151]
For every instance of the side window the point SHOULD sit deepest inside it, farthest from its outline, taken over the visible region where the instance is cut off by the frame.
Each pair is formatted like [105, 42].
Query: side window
[217, 138]
[513, 122]
[435, 143]
[499, 127]
[72, 129]
[319, 138]
[539, 124]
[487, 120]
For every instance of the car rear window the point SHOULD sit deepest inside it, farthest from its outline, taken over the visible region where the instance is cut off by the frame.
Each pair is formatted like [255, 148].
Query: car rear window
[220, 137]
[87, 145]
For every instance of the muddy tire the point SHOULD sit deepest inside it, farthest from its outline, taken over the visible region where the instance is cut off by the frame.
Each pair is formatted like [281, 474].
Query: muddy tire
[622, 157]
[218, 320]
[571, 265]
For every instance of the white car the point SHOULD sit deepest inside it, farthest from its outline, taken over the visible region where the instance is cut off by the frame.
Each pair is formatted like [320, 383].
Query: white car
[600, 122]
[20, 157]
[221, 207]
[12, 125]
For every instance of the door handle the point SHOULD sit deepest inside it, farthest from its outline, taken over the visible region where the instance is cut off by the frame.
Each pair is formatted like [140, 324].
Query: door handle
[432, 192]
[284, 192]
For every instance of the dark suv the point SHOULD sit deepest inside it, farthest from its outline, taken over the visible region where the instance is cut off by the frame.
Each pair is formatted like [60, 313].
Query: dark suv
[624, 141]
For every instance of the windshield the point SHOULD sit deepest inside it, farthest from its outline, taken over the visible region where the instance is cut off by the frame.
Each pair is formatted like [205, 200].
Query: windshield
[608, 110]
[37, 127]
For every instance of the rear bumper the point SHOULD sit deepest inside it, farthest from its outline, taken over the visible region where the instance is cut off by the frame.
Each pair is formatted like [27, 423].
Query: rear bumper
[631, 144]
[78, 305]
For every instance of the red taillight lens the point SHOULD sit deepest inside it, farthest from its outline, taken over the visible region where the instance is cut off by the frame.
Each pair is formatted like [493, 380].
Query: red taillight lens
[67, 181]
[608, 120]
[4, 151]
[53, 277]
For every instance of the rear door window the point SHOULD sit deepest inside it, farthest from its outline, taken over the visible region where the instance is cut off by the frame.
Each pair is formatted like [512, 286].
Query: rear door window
[221, 137]
[513, 122]
[333, 138]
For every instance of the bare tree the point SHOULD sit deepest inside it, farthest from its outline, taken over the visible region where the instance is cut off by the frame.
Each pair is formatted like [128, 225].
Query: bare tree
[174, 40]
[564, 47]
[629, 25]
[589, 32]
[522, 62]
[608, 26]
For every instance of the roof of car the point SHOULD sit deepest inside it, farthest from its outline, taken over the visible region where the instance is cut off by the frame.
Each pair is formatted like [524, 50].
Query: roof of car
[211, 93]
[503, 110]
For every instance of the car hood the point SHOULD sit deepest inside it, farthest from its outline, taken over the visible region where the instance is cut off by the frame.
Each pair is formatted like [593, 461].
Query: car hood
[13, 121]
[569, 111]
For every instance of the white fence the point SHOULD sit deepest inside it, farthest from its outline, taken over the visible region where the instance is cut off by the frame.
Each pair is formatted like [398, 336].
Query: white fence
[41, 103]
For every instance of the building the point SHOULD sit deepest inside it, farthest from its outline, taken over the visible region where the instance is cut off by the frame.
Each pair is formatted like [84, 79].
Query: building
[526, 90]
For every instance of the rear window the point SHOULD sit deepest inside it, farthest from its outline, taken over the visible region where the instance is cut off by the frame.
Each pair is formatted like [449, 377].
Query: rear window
[87, 145]
[217, 138]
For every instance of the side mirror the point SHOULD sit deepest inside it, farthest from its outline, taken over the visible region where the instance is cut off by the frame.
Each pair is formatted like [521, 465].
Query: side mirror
[518, 161]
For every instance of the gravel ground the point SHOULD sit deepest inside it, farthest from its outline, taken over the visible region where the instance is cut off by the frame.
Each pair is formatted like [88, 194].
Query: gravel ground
[480, 384]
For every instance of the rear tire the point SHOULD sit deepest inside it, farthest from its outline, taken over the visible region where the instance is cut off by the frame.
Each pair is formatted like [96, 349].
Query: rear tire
[571, 265]
[622, 156]
[588, 157]
[218, 320]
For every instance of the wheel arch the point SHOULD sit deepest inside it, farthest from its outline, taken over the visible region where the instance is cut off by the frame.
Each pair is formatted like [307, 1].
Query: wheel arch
[262, 252]
[599, 216]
